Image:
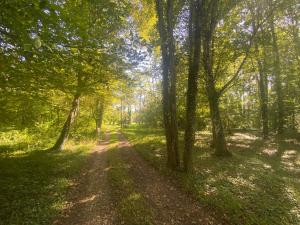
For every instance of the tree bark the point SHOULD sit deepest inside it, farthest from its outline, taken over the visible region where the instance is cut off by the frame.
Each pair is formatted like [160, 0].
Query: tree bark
[129, 114]
[277, 80]
[194, 63]
[219, 141]
[165, 28]
[99, 119]
[263, 95]
[63, 137]
[175, 163]
[121, 119]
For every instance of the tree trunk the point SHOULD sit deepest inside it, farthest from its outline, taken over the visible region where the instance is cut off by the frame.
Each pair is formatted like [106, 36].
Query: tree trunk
[277, 80]
[175, 163]
[100, 109]
[219, 141]
[63, 137]
[129, 114]
[165, 28]
[263, 95]
[121, 119]
[194, 61]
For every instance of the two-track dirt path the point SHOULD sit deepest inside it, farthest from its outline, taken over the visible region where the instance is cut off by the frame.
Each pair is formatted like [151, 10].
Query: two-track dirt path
[171, 205]
[90, 202]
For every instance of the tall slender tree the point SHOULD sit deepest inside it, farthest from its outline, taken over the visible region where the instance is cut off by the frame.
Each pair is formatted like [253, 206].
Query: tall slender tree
[277, 79]
[192, 89]
[166, 23]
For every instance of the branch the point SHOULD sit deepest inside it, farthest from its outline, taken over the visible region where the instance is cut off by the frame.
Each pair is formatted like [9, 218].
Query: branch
[237, 73]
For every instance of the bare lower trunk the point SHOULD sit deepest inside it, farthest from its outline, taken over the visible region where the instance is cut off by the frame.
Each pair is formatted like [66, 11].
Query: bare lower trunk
[219, 141]
[99, 118]
[263, 98]
[129, 114]
[63, 137]
[194, 61]
[121, 119]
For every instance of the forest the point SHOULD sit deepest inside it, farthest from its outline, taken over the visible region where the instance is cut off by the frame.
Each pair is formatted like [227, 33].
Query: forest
[149, 112]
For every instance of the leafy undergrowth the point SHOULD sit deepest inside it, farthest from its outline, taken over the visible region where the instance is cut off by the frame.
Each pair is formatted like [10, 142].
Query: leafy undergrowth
[33, 183]
[259, 185]
[130, 204]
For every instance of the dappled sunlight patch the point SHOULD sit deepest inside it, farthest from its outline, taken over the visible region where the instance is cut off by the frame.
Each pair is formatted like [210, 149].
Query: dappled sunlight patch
[291, 194]
[107, 168]
[158, 155]
[290, 167]
[290, 161]
[293, 198]
[157, 152]
[134, 196]
[289, 154]
[239, 145]
[241, 182]
[88, 199]
[209, 190]
[58, 206]
[244, 136]
[267, 166]
[270, 151]
[297, 162]
[16, 153]
[292, 141]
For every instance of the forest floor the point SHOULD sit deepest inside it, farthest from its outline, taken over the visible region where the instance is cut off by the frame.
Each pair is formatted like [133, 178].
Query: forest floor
[259, 184]
[33, 182]
[117, 187]
[124, 182]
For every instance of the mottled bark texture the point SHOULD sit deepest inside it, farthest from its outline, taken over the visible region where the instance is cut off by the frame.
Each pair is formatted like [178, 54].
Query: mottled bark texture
[277, 79]
[165, 13]
[191, 98]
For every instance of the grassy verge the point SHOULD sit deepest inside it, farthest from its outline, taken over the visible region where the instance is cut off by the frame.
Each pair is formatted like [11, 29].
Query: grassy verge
[33, 183]
[253, 187]
[130, 204]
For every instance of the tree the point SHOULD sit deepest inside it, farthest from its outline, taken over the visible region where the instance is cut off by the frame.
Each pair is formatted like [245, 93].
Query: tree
[277, 79]
[194, 64]
[166, 22]
[260, 58]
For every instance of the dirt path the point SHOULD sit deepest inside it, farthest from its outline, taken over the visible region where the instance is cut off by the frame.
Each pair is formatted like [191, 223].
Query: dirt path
[89, 200]
[171, 205]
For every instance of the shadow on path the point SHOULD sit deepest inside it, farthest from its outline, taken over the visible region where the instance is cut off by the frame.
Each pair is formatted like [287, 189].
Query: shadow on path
[89, 199]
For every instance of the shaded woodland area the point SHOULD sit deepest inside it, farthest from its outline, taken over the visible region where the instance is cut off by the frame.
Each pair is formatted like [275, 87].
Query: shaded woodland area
[206, 92]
